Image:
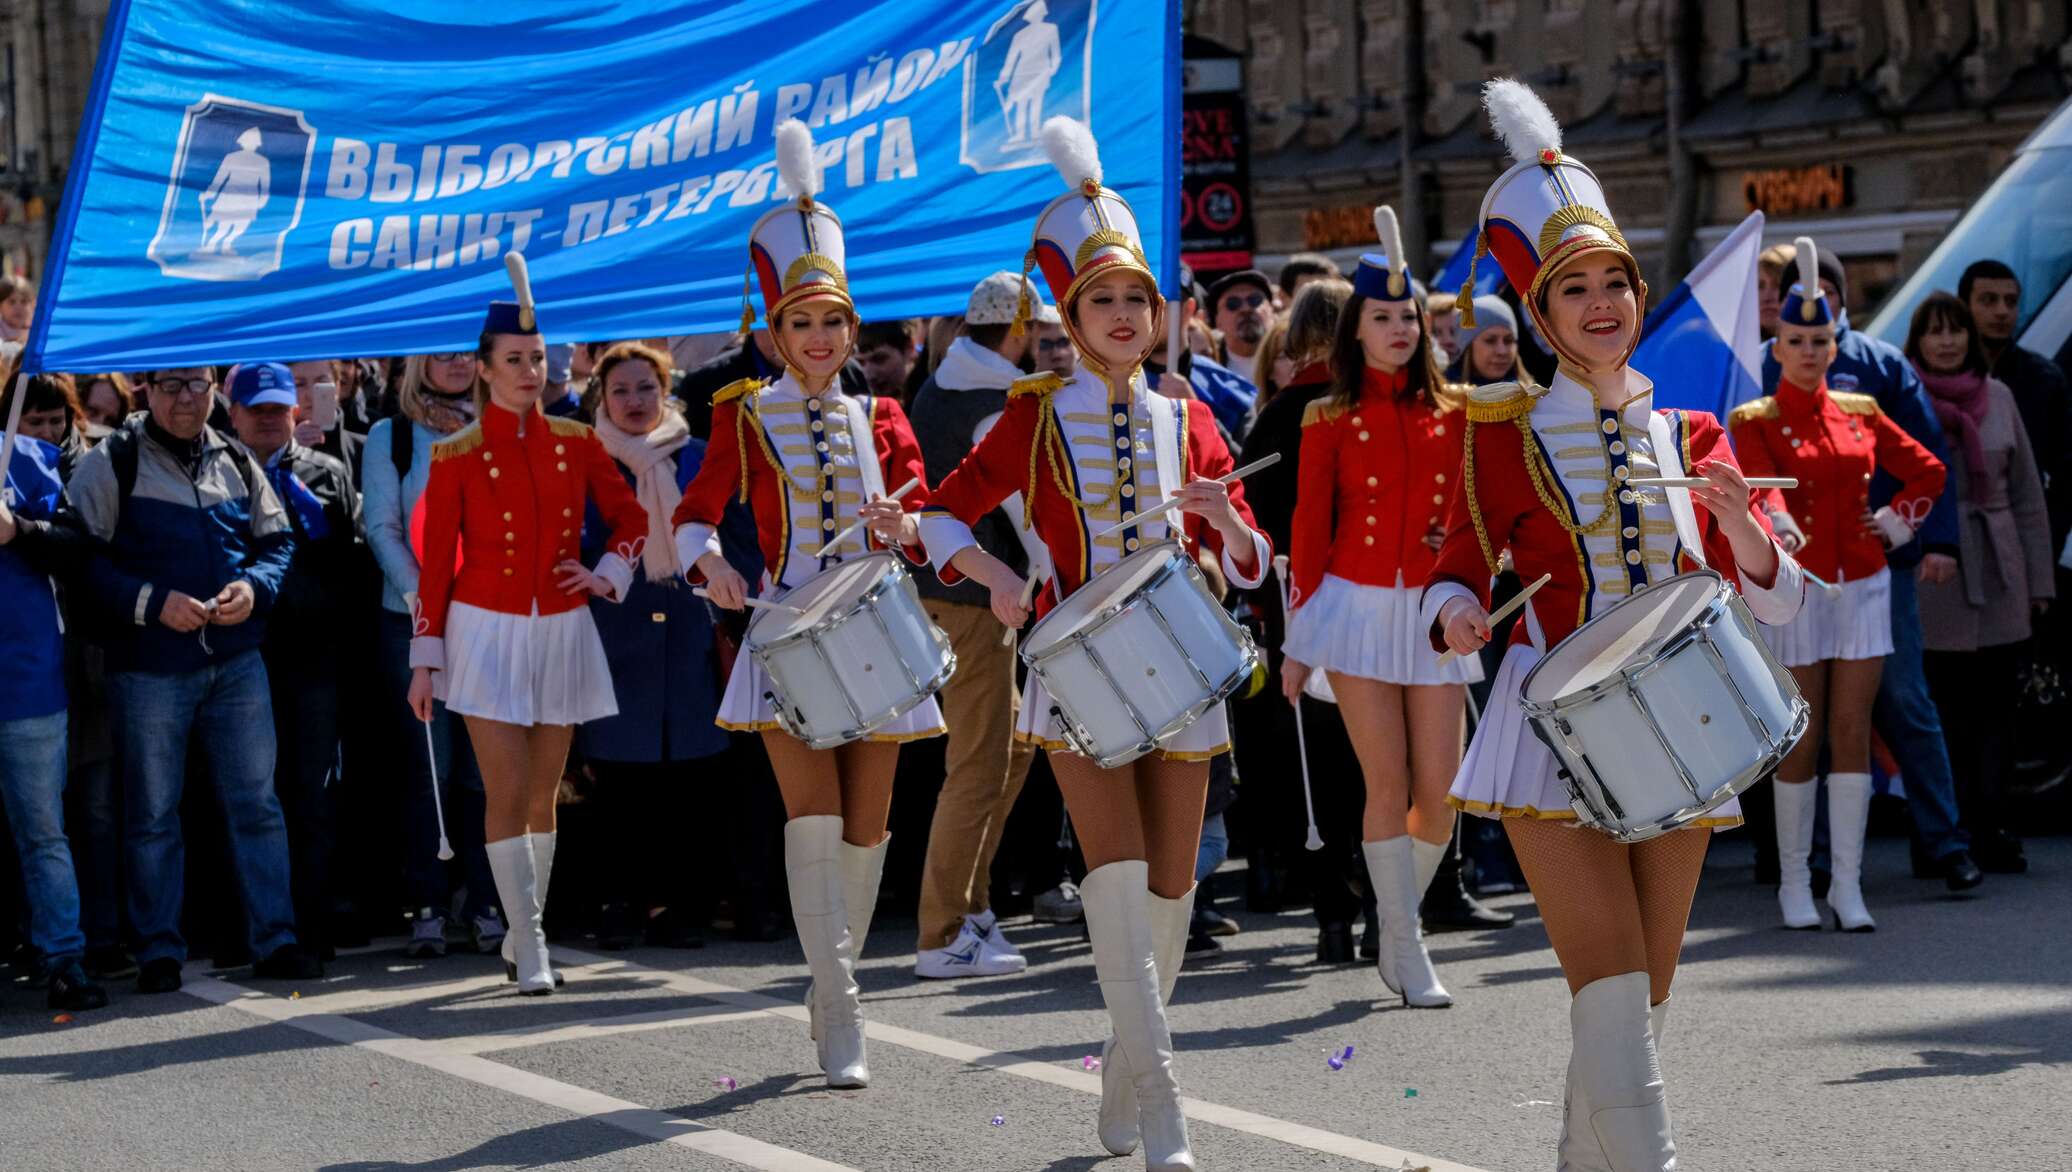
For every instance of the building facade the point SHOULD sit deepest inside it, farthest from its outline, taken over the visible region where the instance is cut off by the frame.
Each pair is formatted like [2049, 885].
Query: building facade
[1868, 124]
[47, 51]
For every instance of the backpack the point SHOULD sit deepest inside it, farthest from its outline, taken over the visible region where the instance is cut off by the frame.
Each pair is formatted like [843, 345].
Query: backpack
[122, 453]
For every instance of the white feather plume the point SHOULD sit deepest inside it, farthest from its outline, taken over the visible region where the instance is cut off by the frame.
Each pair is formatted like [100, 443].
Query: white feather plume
[1521, 119]
[521, 283]
[1808, 259]
[1072, 150]
[795, 163]
[1391, 237]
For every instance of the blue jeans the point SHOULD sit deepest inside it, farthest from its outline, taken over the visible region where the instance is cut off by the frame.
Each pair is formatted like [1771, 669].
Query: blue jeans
[32, 784]
[1215, 847]
[1906, 717]
[224, 711]
[93, 819]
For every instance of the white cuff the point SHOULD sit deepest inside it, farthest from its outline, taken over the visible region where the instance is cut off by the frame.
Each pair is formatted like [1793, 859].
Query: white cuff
[143, 611]
[1432, 609]
[694, 541]
[428, 651]
[1260, 566]
[617, 571]
[1897, 532]
[1779, 602]
[944, 537]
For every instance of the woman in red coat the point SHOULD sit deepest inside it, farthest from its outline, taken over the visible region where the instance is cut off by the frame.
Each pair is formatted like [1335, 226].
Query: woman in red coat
[503, 628]
[1544, 476]
[807, 458]
[1086, 452]
[1380, 456]
[1831, 441]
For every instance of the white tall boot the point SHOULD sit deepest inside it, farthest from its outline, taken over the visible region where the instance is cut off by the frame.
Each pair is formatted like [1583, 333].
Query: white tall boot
[1618, 1109]
[1848, 809]
[1404, 965]
[517, 885]
[812, 868]
[1428, 855]
[1794, 805]
[862, 869]
[1118, 1122]
[1119, 919]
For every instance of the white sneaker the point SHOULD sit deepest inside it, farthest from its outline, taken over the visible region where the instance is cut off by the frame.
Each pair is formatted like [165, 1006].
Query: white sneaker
[986, 926]
[965, 957]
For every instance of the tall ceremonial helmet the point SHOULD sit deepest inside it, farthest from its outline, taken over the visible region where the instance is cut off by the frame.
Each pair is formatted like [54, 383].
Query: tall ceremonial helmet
[1386, 276]
[1544, 212]
[795, 251]
[1805, 303]
[1088, 231]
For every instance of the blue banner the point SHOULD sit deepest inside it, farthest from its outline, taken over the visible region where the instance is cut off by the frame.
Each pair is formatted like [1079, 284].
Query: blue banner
[257, 180]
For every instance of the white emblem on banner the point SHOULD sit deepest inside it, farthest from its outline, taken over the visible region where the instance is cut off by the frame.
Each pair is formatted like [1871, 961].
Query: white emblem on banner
[1036, 61]
[238, 177]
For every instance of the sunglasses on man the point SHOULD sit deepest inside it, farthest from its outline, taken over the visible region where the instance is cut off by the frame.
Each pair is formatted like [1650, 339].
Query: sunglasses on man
[1241, 301]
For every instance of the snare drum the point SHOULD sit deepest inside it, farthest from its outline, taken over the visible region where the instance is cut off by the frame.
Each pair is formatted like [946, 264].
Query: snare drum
[1663, 707]
[862, 654]
[1137, 654]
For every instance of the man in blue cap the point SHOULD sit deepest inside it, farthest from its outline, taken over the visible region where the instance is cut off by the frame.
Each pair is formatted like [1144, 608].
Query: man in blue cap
[306, 633]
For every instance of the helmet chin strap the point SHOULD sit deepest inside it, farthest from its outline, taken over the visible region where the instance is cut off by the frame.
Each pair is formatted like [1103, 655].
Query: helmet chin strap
[1092, 362]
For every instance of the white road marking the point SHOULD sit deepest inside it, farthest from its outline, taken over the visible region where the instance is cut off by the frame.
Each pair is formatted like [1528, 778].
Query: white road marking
[596, 1027]
[646, 1122]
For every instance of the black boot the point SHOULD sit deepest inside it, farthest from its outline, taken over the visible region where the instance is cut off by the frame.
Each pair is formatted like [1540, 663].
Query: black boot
[1447, 906]
[1335, 944]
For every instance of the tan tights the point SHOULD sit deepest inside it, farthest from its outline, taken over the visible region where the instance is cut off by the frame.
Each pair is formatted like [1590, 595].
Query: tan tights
[1149, 809]
[1611, 908]
[853, 781]
[1408, 740]
[521, 774]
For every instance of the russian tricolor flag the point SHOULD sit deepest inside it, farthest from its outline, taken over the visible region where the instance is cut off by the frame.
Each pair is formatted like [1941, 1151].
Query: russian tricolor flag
[1489, 276]
[1702, 345]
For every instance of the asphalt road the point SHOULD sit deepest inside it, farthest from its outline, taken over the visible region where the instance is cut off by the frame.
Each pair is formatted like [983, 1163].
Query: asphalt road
[1943, 1041]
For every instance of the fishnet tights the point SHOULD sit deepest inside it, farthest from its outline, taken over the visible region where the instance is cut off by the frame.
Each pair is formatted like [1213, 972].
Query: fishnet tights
[1610, 908]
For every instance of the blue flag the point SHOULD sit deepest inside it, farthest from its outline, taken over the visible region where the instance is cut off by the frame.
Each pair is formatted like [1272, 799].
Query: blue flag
[1489, 275]
[1702, 345]
[257, 180]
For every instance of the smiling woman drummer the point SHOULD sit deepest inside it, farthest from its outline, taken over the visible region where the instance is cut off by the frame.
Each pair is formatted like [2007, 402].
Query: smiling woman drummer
[1545, 475]
[1086, 450]
[804, 455]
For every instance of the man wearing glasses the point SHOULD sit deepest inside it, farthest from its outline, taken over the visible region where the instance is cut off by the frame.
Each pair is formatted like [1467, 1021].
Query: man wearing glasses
[1241, 309]
[193, 545]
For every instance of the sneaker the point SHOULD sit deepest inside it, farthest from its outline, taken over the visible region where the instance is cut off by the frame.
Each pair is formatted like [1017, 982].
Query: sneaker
[109, 962]
[965, 957]
[427, 935]
[70, 990]
[486, 932]
[1059, 905]
[1210, 922]
[289, 962]
[1201, 942]
[159, 976]
[986, 926]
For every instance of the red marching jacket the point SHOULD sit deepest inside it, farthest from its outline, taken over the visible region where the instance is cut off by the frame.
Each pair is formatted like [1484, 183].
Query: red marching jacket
[1375, 480]
[1020, 454]
[512, 506]
[1512, 515]
[1832, 441]
[738, 465]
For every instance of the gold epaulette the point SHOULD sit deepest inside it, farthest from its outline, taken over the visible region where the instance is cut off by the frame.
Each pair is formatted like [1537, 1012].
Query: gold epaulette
[1036, 384]
[1754, 409]
[460, 443]
[1322, 408]
[736, 389]
[562, 426]
[1499, 403]
[1854, 403]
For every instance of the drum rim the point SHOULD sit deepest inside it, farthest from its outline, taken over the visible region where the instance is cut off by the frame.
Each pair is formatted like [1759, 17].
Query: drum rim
[833, 618]
[1715, 608]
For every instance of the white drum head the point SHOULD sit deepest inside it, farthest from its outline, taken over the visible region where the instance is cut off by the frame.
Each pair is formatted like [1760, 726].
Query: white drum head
[822, 596]
[1629, 633]
[1110, 586]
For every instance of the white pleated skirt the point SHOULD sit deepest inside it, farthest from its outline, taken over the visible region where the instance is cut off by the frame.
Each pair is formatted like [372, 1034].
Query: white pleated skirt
[746, 708]
[1205, 738]
[525, 669]
[1509, 772]
[1854, 623]
[1372, 632]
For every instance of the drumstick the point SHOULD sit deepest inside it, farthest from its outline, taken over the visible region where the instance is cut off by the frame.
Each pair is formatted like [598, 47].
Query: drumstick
[755, 603]
[845, 534]
[1701, 482]
[1028, 596]
[1503, 612]
[1174, 503]
[1315, 841]
[1826, 587]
